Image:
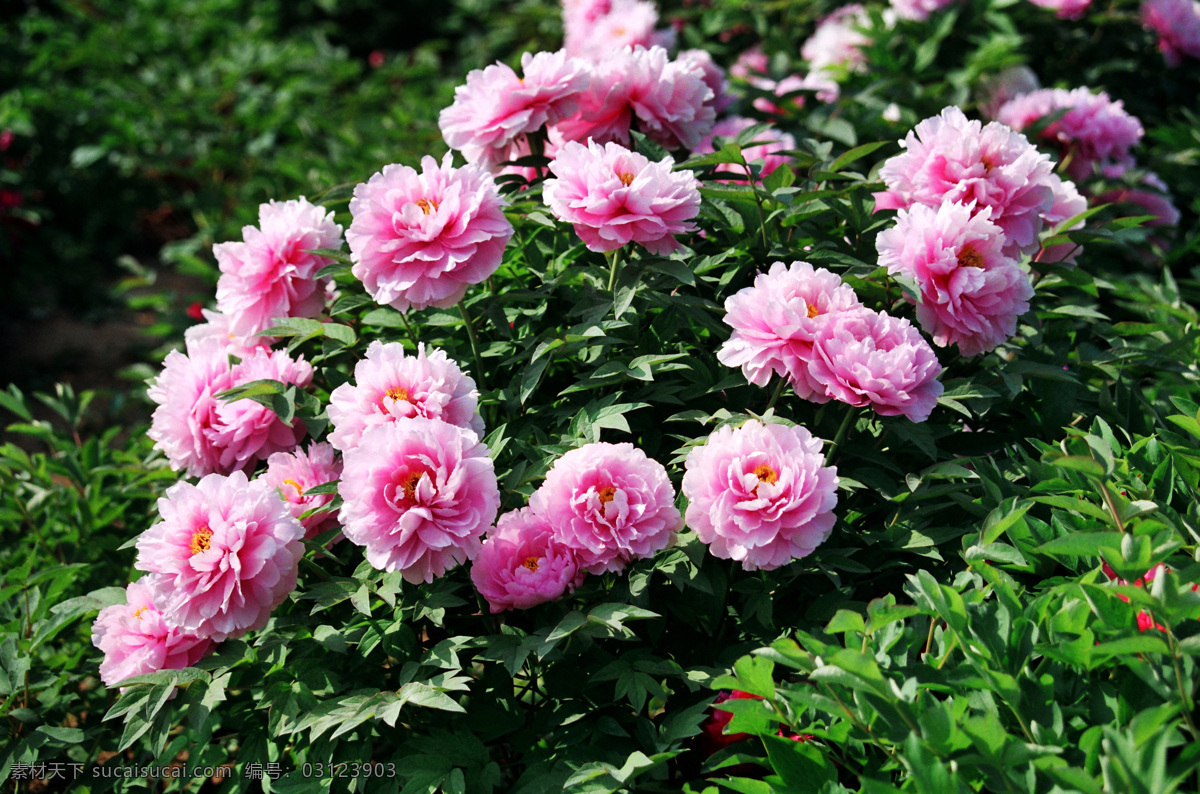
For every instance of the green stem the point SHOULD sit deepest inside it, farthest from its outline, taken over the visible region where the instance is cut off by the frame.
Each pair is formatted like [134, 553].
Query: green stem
[775, 395]
[480, 379]
[843, 431]
[614, 264]
[762, 221]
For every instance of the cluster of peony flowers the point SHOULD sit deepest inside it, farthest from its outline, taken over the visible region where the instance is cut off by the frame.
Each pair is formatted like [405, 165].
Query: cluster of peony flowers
[1092, 132]
[1177, 25]
[760, 494]
[804, 324]
[613, 196]
[203, 434]
[600, 507]
[271, 274]
[422, 239]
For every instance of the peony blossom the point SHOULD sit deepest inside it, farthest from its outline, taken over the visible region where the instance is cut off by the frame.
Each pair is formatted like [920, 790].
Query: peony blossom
[1065, 9]
[224, 555]
[493, 112]
[609, 503]
[270, 274]
[920, 10]
[293, 474]
[596, 28]
[522, 565]
[390, 385]
[418, 495]
[1152, 198]
[997, 89]
[971, 293]
[714, 78]
[421, 239]
[871, 358]
[136, 640]
[219, 327]
[1094, 132]
[1068, 203]
[613, 196]
[760, 494]
[1177, 23]
[776, 321]
[835, 48]
[768, 151]
[949, 158]
[668, 98]
[202, 434]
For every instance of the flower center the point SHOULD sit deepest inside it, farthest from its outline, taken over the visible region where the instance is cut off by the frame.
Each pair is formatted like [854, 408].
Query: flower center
[765, 473]
[397, 393]
[137, 613]
[626, 178]
[969, 257]
[296, 485]
[427, 205]
[410, 486]
[988, 165]
[531, 563]
[201, 539]
[606, 494]
[813, 311]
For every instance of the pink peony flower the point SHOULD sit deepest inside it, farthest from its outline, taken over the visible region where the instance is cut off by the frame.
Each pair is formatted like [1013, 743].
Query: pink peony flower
[998, 89]
[610, 503]
[1065, 9]
[292, 474]
[421, 239]
[1095, 132]
[1154, 200]
[613, 196]
[871, 358]
[971, 293]
[269, 274]
[714, 78]
[669, 99]
[202, 434]
[1177, 23]
[919, 10]
[595, 30]
[493, 112]
[1067, 204]
[224, 555]
[136, 640]
[837, 42]
[418, 495]
[752, 61]
[760, 494]
[522, 565]
[949, 158]
[776, 321]
[219, 327]
[389, 385]
[773, 141]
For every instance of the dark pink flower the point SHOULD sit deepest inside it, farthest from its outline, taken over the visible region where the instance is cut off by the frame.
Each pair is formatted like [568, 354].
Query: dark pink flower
[1177, 23]
[136, 640]
[521, 564]
[293, 474]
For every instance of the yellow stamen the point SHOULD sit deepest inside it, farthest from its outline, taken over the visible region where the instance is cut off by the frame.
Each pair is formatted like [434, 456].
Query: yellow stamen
[813, 311]
[530, 563]
[410, 485]
[296, 485]
[765, 473]
[201, 539]
[626, 178]
[606, 494]
[427, 205]
[397, 393]
[969, 257]
[137, 613]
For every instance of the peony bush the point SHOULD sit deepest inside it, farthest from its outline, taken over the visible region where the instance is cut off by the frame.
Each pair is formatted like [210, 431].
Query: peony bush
[781, 428]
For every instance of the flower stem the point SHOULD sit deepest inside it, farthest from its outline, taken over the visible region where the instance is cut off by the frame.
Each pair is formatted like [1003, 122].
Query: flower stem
[479, 372]
[614, 263]
[843, 431]
[775, 395]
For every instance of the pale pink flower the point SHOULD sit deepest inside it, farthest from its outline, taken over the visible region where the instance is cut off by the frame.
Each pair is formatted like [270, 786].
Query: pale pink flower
[418, 494]
[1177, 23]
[218, 326]
[224, 555]
[202, 434]
[1095, 132]
[780, 89]
[838, 40]
[760, 494]
[421, 239]
[771, 142]
[971, 293]
[390, 385]
[776, 321]
[247, 431]
[1153, 199]
[610, 503]
[269, 274]
[594, 30]
[949, 158]
[866, 357]
[668, 98]
[522, 565]
[1068, 203]
[752, 61]
[919, 10]
[714, 78]
[613, 196]
[1064, 9]
[136, 640]
[997, 89]
[293, 474]
[495, 110]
